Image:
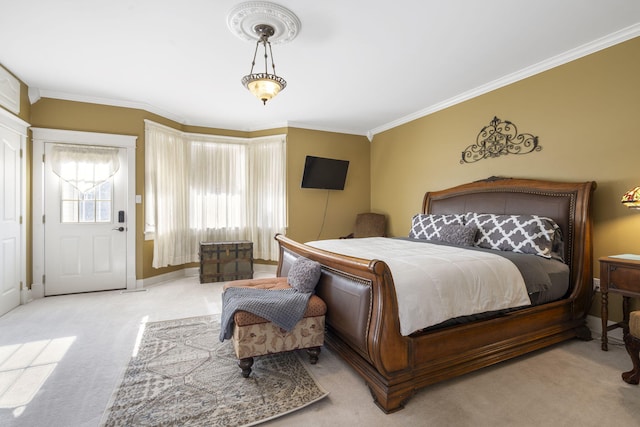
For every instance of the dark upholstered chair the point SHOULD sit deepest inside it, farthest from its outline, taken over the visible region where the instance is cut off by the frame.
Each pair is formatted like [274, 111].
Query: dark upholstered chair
[369, 225]
[632, 343]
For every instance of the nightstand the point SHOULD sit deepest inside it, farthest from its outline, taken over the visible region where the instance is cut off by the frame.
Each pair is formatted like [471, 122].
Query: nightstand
[618, 275]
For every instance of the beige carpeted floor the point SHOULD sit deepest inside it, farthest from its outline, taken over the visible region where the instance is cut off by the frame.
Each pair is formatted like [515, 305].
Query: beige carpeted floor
[62, 357]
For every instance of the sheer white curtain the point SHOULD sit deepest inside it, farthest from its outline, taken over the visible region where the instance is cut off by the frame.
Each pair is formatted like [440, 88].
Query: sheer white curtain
[167, 195]
[210, 188]
[267, 194]
[218, 192]
[84, 166]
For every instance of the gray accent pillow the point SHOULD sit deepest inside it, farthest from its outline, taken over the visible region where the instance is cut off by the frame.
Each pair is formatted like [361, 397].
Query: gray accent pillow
[304, 274]
[529, 234]
[427, 226]
[461, 235]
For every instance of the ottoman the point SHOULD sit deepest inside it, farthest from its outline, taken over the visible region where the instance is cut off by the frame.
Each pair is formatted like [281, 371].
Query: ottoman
[632, 344]
[254, 336]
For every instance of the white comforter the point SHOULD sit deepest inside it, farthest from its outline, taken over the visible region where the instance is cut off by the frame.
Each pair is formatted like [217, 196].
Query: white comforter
[435, 283]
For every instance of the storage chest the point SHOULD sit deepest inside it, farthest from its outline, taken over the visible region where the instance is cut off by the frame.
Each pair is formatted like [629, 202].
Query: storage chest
[225, 261]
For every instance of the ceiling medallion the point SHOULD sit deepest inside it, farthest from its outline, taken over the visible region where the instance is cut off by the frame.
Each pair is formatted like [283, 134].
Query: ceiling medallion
[243, 19]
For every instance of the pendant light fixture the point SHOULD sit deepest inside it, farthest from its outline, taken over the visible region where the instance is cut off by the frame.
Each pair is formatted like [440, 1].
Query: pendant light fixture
[264, 85]
[265, 23]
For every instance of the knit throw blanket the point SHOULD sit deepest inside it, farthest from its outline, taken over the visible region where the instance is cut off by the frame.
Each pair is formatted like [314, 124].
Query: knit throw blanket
[283, 307]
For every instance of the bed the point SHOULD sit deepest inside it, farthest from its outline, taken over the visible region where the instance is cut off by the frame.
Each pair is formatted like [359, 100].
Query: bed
[363, 319]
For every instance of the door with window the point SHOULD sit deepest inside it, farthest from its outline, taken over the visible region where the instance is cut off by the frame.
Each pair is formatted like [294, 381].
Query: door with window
[85, 220]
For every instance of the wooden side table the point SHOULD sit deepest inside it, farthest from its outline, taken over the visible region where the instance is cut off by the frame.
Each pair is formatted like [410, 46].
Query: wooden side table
[619, 275]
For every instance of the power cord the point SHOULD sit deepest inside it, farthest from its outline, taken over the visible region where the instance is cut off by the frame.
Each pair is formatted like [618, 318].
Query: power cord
[324, 217]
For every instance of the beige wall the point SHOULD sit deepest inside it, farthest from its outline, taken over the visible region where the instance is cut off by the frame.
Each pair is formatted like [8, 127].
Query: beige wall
[305, 206]
[586, 114]
[61, 114]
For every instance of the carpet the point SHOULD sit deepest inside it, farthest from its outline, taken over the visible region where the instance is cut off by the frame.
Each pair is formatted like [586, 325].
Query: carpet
[183, 375]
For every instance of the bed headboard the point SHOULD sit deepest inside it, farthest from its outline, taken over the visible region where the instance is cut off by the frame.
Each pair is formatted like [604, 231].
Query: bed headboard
[565, 203]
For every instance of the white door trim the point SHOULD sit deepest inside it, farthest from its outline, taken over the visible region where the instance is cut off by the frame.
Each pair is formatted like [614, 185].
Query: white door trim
[40, 137]
[17, 125]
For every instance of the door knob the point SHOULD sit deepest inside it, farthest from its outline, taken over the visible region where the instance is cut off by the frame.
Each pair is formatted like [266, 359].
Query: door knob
[118, 229]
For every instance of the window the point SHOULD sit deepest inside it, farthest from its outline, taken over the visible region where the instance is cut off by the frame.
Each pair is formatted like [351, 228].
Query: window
[202, 188]
[89, 207]
[86, 182]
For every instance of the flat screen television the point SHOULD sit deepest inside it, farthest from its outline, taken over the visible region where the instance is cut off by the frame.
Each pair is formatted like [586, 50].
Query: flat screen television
[320, 172]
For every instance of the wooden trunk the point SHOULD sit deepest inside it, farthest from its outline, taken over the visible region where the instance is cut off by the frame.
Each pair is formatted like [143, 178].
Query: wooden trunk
[226, 261]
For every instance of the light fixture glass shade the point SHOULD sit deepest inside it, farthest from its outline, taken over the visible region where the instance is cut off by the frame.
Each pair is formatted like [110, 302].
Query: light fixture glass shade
[631, 198]
[264, 86]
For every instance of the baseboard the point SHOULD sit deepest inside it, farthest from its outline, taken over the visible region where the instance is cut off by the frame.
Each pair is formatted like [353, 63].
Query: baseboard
[595, 326]
[259, 270]
[173, 275]
[37, 290]
[26, 296]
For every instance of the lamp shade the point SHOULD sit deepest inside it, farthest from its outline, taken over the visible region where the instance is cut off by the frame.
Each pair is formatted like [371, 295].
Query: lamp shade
[264, 86]
[631, 198]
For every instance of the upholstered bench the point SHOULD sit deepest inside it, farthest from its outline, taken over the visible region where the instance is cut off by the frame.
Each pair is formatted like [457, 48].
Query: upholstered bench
[254, 336]
[632, 343]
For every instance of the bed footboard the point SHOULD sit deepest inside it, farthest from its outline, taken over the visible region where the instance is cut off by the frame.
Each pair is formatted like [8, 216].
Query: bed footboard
[350, 298]
[361, 319]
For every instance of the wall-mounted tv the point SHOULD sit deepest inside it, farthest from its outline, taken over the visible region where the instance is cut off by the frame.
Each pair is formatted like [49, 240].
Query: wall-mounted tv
[320, 172]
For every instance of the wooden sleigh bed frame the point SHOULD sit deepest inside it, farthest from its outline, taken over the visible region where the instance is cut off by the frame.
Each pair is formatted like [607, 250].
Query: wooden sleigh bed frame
[362, 311]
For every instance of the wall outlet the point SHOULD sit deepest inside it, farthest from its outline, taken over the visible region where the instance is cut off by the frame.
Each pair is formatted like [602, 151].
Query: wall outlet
[596, 284]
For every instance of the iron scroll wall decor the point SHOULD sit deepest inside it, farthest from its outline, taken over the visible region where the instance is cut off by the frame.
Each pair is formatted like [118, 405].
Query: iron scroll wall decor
[497, 139]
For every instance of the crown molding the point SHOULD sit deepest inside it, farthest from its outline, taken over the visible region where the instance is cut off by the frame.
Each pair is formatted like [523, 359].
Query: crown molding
[610, 40]
[566, 57]
[36, 94]
[303, 125]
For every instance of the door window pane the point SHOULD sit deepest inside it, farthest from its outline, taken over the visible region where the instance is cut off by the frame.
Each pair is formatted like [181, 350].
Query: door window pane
[94, 205]
[69, 211]
[103, 211]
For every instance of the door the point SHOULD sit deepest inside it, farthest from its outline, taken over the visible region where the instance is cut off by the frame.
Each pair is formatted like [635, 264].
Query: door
[11, 222]
[85, 219]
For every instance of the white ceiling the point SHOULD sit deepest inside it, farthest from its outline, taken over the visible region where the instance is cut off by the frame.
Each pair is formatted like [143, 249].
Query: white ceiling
[356, 66]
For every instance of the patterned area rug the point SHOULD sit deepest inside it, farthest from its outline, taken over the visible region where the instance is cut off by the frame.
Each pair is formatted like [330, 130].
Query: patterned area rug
[183, 375]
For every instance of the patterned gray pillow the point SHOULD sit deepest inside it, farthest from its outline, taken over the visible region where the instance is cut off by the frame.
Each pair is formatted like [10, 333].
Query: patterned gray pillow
[529, 234]
[304, 275]
[461, 235]
[427, 226]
